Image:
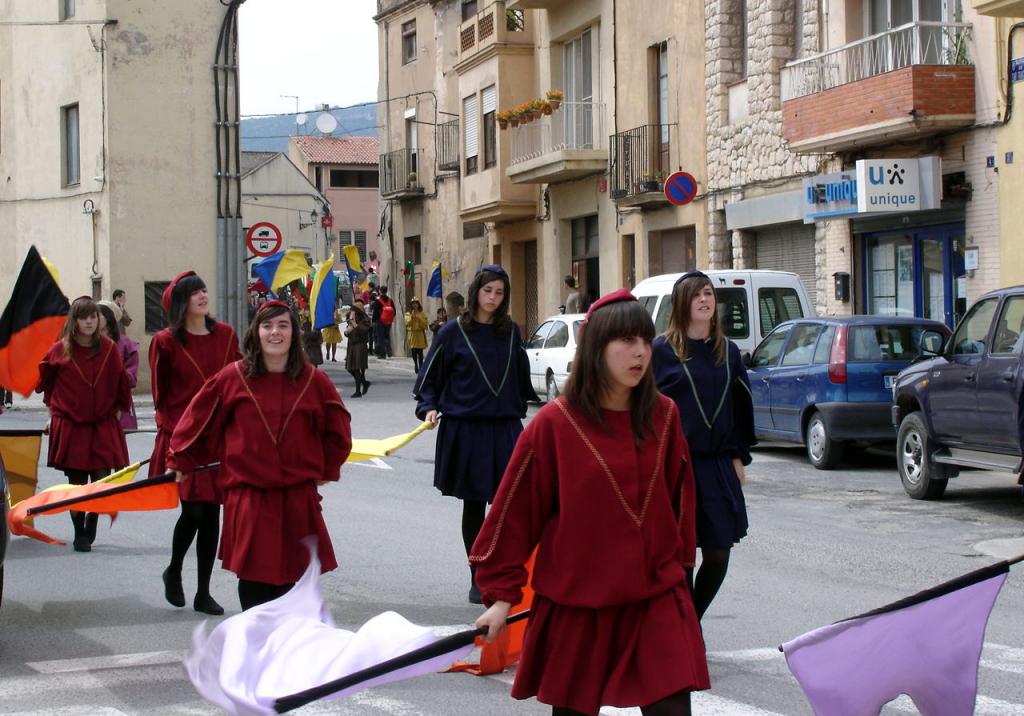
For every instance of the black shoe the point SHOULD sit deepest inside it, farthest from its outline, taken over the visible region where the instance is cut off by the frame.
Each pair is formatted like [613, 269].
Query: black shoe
[91, 520]
[81, 544]
[207, 605]
[173, 591]
[474, 594]
[366, 387]
[356, 394]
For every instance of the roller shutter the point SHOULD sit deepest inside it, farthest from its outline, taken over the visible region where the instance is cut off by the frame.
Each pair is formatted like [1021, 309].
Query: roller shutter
[789, 248]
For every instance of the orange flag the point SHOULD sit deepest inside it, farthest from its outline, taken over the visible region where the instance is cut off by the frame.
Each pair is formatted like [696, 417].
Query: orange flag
[505, 650]
[104, 498]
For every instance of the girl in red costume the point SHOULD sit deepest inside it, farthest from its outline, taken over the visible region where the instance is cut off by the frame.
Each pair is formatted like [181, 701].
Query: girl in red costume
[182, 357]
[85, 386]
[281, 430]
[600, 482]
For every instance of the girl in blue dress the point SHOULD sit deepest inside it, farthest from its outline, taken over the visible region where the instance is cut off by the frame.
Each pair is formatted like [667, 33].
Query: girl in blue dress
[477, 376]
[699, 369]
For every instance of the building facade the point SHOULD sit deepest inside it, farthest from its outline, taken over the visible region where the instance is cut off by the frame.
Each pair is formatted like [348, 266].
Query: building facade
[106, 170]
[344, 170]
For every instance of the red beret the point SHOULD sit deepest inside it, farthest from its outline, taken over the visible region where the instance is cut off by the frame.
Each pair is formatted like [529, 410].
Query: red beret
[165, 300]
[622, 294]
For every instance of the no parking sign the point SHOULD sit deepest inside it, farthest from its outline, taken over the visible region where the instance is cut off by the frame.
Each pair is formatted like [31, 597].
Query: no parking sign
[680, 188]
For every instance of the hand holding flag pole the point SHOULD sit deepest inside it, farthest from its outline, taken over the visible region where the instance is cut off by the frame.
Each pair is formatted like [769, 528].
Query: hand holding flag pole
[438, 648]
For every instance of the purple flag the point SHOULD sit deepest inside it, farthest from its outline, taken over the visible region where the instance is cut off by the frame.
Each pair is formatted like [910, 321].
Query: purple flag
[926, 646]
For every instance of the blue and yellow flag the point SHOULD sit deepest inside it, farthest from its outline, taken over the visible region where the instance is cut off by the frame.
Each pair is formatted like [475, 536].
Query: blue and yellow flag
[351, 254]
[282, 268]
[324, 295]
[434, 289]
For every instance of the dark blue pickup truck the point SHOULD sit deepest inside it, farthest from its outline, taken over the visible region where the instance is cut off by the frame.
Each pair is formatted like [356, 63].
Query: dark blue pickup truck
[962, 408]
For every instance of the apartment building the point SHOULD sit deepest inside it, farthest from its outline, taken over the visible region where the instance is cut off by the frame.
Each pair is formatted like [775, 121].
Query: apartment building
[853, 145]
[107, 146]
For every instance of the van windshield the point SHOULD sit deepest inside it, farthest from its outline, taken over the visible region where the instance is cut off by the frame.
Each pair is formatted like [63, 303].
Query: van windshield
[732, 312]
[775, 305]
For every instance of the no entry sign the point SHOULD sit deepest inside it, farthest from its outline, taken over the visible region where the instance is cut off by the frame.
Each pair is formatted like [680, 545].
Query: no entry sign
[263, 239]
[680, 188]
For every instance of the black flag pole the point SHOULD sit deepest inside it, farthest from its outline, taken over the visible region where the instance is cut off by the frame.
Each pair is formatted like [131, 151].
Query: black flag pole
[438, 648]
[114, 490]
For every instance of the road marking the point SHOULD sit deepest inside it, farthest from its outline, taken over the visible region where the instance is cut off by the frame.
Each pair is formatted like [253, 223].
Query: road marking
[113, 661]
[706, 704]
[1002, 658]
[373, 462]
[983, 706]
[72, 711]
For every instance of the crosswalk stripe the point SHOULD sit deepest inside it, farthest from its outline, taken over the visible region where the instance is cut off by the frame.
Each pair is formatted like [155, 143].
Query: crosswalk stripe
[705, 704]
[984, 706]
[72, 711]
[113, 661]
[1002, 658]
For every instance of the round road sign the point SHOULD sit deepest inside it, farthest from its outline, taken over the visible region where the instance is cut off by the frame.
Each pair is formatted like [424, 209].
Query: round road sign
[680, 188]
[263, 239]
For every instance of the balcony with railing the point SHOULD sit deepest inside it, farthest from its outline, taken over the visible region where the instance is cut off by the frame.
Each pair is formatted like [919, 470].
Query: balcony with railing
[399, 176]
[535, 4]
[911, 81]
[639, 164]
[446, 147]
[567, 144]
[494, 25]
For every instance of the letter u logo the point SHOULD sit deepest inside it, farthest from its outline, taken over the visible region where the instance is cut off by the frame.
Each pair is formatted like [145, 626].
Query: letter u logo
[874, 178]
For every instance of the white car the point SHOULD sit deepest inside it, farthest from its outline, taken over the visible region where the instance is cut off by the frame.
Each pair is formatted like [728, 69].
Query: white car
[551, 349]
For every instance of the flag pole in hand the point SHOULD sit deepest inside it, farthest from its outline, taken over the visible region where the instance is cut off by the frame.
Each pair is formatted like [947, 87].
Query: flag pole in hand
[438, 648]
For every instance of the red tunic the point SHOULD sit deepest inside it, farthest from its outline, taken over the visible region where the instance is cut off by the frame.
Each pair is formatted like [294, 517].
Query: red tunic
[84, 394]
[177, 373]
[614, 526]
[276, 440]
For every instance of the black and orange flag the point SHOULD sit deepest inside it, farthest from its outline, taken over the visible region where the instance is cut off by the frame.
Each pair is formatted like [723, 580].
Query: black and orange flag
[30, 324]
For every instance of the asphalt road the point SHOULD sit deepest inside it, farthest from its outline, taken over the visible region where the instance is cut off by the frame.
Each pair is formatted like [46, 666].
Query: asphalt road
[91, 634]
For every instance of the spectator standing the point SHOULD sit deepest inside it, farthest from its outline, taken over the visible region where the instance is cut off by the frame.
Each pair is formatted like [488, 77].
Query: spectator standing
[439, 320]
[572, 301]
[110, 322]
[121, 299]
[383, 314]
[357, 331]
[416, 330]
[332, 336]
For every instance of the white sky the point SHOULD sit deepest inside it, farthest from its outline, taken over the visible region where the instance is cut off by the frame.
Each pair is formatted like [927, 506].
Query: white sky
[324, 51]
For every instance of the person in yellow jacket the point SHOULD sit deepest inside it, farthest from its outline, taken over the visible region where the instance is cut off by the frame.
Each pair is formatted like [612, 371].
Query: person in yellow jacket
[332, 335]
[416, 331]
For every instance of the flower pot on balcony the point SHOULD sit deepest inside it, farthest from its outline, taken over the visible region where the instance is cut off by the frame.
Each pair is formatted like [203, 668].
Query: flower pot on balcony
[537, 114]
[652, 185]
[503, 123]
[514, 121]
[555, 104]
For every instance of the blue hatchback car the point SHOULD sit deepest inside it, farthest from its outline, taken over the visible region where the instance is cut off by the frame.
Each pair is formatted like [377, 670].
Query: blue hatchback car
[824, 382]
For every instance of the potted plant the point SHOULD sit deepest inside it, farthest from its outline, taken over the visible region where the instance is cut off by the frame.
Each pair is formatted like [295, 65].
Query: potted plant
[514, 117]
[554, 98]
[526, 113]
[535, 107]
[546, 108]
[412, 178]
[502, 118]
[649, 182]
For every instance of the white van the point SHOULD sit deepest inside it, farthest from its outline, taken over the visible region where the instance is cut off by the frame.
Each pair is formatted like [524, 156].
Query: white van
[750, 303]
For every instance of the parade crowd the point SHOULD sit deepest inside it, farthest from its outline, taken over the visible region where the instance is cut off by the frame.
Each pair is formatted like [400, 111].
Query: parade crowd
[612, 487]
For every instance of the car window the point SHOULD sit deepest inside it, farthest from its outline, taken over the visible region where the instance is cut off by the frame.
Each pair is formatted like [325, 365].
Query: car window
[973, 331]
[889, 342]
[664, 313]
[559, 336]
[649, 302]
[823, 351]
[801, 345]
[733, 312]
[576, 330]
[537, 339]
[1010, 327]
[767, 354]
[775, 305]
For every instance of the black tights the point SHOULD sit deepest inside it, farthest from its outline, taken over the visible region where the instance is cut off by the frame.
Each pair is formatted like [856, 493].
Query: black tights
[472, 520]
[359, 376]
[714, 563]
[678, 704]
[84, 520]
[252, 594]
[417, 358]
[202, 518]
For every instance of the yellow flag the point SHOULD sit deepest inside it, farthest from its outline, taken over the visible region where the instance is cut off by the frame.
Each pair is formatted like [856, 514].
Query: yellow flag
[369, 448]
[351, 253]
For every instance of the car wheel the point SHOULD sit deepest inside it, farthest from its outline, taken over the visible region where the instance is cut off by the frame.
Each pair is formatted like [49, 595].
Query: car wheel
[552, 388]
[823, 452]
[922, 478]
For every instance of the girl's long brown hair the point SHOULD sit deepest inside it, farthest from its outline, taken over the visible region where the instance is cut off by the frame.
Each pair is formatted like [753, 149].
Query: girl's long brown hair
[682, 297]
[252, 351]
[502, 322]
[179, 305]
[80, 308]
[589, 381]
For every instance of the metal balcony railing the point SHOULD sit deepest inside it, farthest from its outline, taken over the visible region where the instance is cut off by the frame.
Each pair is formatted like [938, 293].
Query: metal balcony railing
[639, 160]
[446, 147]
[574, 125]
[916, 43]
[399, 172]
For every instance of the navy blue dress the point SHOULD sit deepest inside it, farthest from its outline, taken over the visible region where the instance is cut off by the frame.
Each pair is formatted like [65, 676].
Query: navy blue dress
[718, 420]
[479, 381]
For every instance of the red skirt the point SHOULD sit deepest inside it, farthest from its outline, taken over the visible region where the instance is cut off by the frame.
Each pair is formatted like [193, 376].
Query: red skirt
[624, 656]
[198, 487]
[93, 447]
[263, 531]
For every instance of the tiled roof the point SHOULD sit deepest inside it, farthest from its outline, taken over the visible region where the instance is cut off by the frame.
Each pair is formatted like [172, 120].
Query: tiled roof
[338, 150]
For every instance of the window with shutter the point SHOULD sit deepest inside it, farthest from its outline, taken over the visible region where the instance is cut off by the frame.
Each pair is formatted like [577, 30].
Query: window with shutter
[471, 121]
[489, 108]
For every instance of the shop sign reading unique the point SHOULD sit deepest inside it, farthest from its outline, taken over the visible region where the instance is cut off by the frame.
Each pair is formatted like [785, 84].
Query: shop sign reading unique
[887, 185]
[1017, 69]
[830, 195]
